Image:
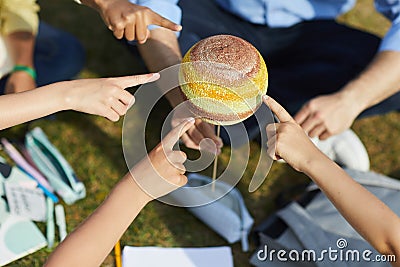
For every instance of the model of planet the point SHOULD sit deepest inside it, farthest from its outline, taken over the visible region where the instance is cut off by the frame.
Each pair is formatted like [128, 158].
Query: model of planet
[223, 77]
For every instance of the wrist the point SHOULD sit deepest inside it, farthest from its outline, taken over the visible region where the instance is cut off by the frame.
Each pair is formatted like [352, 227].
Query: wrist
[61, 92]
[354, 97]
[26, 69]
[316, 165]
[141, 197]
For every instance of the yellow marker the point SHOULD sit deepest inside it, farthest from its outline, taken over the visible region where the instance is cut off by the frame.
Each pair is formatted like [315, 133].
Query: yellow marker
[117, 252]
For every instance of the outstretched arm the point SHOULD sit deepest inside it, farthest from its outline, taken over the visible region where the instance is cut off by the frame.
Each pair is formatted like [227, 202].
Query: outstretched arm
[163, 169]
[104, 97]
[379, 225]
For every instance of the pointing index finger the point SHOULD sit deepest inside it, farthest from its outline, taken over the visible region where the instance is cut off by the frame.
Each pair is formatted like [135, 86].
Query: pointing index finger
[166, 23]
[277, 109]
[173, 136]
[129, 81]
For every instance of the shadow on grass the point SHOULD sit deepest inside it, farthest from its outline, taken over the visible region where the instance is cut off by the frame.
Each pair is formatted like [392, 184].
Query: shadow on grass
[395, 174]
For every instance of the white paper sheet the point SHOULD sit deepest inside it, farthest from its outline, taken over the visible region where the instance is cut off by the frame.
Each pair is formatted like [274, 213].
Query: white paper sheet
[173, 257]
[26, 200]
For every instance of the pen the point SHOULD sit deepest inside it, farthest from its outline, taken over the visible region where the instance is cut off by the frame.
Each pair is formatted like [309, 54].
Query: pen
[50, 231]
[60, 221]
[49, 194]
[117, 251]
[20, 161]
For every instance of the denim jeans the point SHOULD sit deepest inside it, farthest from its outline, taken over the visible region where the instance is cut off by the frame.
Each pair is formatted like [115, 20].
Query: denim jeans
[58, 56]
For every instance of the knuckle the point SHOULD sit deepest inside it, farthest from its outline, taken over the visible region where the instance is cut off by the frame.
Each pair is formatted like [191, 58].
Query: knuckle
[318, 115]
[311, 105]
[158, 149]
[145, 11]
[169, 154]
[176, 179]
[184, 180]
[114, 90]
[109, 100]
[182, 155]
[109, 81]
[270, 127]
[119, 25]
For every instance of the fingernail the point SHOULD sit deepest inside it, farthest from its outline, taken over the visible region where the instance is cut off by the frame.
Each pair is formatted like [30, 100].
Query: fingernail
[153, 78]
[178, 27]
[265, 97]
[131, 103]
[191, 119]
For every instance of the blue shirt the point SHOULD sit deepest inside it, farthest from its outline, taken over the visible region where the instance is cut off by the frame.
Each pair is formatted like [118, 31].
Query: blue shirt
[285, 13]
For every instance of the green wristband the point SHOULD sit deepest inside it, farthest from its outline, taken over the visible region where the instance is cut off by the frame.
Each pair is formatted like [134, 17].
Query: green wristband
[26, 69]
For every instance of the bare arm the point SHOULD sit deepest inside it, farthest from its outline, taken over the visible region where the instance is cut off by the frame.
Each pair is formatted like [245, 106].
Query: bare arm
[379, 225]
[369, 216]
[91, 242]
[327, 115]
[379, 81]
[162, 51]
[104, 97]
[21, 45]
[163, 171]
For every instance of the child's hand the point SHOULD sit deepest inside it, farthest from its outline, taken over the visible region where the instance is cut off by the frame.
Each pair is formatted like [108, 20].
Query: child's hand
[287, 140]
[125, 18]
[105, 97]
[162, 171]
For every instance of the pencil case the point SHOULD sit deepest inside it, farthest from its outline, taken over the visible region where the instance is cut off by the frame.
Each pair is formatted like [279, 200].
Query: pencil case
[227, 216]
[54, 166]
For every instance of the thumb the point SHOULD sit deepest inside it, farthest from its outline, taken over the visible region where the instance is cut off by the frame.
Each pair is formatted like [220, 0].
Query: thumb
[173, 136]
[129, 81]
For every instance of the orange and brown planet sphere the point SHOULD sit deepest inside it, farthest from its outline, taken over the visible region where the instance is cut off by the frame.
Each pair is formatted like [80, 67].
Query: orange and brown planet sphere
[223, 77]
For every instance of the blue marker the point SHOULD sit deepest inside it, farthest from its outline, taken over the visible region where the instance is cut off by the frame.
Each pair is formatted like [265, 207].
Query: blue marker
[49, 194]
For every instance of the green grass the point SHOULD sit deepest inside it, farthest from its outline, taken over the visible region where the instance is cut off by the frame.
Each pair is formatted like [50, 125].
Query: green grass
[93, 145]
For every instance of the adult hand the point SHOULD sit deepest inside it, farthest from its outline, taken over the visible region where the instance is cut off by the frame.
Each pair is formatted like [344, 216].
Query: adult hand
[162, 171]
[130, 20]
[18, 82]
[106, 97]
[287, 140]
[327, 115]
[199, 131]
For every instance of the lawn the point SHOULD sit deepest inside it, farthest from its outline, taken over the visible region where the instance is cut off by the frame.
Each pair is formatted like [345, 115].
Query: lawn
[92, 145]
